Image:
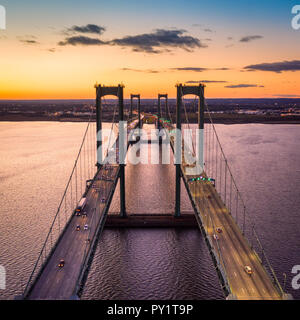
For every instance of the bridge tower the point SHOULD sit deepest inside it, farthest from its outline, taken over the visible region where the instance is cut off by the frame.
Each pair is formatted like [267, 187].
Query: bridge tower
[159, 107]
[166, 104]
[183, 90]
[117, 91]
[132, 96]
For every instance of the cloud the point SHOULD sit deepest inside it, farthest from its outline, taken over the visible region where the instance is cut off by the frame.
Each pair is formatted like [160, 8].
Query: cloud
[198, 69]
[195, 69]
[237, 86]
[221, 69]
[29, 41]
[89, 28]
[250, 38]
[75, 40]
[277, 67]
[81, 40]
[206, 81]
[205, 29]
[139, 70]
[160, 38]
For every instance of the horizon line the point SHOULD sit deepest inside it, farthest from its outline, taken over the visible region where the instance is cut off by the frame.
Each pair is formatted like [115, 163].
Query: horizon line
[169, 98]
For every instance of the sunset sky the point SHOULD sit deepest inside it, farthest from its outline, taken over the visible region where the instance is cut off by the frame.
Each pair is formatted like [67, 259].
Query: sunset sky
[60, 49]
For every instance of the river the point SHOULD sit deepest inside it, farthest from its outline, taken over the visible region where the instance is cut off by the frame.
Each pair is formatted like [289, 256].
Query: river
[36, 160]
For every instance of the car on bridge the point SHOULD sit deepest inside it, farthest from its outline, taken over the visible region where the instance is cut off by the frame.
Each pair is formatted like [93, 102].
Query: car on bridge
[219, 230]
[215, 236]
[248, 270]
[103, 200]
[61, 263]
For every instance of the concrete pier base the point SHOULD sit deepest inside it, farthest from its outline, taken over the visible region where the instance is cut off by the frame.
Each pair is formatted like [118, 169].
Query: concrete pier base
[146, 220]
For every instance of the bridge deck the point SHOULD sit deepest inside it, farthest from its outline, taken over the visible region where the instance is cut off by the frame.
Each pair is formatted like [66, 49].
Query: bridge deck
[54, 283]
[234, 247]
[60, 283]
[236, 252]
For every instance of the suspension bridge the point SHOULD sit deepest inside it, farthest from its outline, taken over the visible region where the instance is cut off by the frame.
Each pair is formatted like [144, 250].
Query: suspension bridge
[239, 258]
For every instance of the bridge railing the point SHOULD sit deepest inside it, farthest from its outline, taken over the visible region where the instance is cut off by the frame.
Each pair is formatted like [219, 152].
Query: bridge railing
[82, 177]
[203, 213]
[216, 166]
[84, 170]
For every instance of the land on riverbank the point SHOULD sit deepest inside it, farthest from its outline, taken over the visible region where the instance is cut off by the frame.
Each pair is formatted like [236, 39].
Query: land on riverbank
[227, 111]
[216, 117]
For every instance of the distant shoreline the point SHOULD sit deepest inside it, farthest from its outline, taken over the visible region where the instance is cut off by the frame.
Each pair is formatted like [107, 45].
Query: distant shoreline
[217, 118]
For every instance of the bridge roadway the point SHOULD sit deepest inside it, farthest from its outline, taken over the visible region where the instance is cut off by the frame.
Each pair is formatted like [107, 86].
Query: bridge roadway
[235, 250]
[60, 283]
[54, 283]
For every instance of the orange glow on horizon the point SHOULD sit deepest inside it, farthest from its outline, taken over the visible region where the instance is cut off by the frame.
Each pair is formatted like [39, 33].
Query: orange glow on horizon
[31, 72]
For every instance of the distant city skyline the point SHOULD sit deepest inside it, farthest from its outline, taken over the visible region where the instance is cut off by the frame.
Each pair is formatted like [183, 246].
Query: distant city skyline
[60, 49]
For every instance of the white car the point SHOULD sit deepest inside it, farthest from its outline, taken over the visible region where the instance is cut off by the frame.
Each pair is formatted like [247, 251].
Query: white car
[248, 270]
[85, 227]
[216, 237]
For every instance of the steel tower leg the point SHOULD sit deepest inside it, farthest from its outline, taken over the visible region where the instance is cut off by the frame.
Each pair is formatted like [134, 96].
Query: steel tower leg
[178, 149]
[130, 114]
[139, 111]
[159, 113]
[201, 125]
[122, 152]
[167, 107]
[99, 126]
